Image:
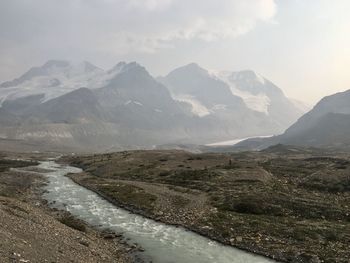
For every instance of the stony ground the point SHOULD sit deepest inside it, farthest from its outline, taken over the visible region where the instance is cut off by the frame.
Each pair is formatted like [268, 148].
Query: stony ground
[286, 203]
[31, 232]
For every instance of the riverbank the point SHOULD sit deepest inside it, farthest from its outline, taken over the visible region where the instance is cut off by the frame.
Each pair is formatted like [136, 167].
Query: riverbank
[32, 232]
[283, 208]
[160, 242]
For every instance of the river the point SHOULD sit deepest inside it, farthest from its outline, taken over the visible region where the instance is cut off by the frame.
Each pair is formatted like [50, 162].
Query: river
[162, 243]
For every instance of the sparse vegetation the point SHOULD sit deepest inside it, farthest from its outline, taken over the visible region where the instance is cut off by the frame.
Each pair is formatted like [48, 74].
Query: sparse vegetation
[129, 194]
[292, 204]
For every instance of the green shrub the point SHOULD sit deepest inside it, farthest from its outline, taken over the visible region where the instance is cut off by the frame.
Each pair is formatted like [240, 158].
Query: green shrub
[248, 207]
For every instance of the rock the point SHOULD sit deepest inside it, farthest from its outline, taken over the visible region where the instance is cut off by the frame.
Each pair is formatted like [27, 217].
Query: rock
[106, 234]
[109, 236]
[239, 239]
[310, 258]
[84, 243]
[315, 259]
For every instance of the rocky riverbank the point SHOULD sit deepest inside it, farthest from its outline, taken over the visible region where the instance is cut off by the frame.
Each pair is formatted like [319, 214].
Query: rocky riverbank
[284, 208]
[32, 232]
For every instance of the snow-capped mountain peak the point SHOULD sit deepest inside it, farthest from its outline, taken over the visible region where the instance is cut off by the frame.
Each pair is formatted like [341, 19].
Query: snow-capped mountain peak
[248, 76]
[123, 66]
[257, 101]
[53, 79]
[52, 63]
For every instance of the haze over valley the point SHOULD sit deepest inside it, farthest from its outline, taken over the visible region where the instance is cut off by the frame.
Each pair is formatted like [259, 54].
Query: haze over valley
[174, 131]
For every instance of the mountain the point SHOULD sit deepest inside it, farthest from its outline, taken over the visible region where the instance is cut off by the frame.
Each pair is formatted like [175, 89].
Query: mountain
[219, 114]
[262, 95]
[78, 106]
[127, 109]
[7, 118]
[136, 101]
[67, 105]
[301, 105]
[242, 97]
[51, 80]
[195, 85]
[326, 125]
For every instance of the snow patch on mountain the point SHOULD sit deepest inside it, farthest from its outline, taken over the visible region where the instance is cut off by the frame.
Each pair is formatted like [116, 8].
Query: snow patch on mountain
[219, 107]
[239, 76]
[197, 107]
[133, 102]
[45, 134]
[138, 103]
[54, 81]
[56, 78]
[258, 102]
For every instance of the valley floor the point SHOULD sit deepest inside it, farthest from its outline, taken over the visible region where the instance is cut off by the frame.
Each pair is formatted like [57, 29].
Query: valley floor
[285, 203]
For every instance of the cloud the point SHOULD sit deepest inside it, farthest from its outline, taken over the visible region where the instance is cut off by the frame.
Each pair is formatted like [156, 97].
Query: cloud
[132, 25]
[165, 21]
[150, 5]
[33, 31]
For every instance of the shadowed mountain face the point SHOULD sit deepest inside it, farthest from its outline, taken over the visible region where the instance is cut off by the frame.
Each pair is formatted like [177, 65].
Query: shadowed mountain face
[197, 83]
[7, 118]
[134, 99]
[134, 86]
[338, 104]
[326, 125]
[330, 130]
[85, 107]
[78, 106]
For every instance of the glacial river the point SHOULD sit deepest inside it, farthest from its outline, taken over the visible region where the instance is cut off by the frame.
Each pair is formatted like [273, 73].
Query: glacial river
[162, 243]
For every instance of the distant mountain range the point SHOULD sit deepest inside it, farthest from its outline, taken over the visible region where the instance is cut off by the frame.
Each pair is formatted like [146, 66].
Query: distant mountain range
[82, 107]
[327, 125]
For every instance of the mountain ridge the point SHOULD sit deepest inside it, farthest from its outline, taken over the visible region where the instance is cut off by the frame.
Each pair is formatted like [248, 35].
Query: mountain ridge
[126, 106]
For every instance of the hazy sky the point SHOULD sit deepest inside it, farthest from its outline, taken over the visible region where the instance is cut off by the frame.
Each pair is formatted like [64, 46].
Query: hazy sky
[301, 45]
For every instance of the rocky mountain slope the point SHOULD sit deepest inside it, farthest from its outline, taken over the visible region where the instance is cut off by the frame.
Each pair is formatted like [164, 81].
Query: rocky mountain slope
[262, 95]
[326, 125]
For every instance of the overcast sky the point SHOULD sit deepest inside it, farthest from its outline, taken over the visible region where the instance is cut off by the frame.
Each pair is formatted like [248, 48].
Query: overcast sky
[301, 45]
